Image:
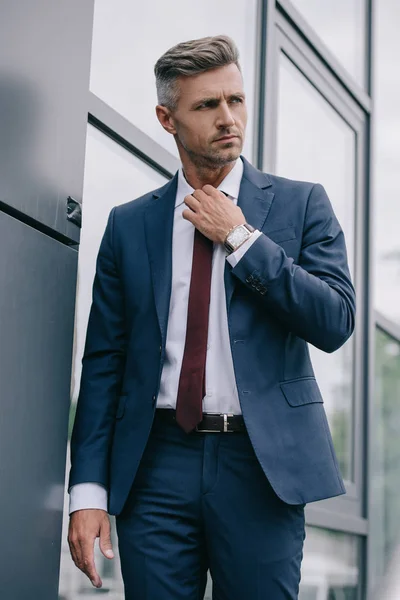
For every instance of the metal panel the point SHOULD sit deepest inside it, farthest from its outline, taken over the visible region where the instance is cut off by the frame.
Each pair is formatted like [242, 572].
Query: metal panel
[259, 83]
[37, 283]
[44, 68]
[267, 95]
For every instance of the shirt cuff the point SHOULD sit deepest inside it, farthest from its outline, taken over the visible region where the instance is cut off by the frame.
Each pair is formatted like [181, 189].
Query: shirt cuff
[87, 495]
[234, 258]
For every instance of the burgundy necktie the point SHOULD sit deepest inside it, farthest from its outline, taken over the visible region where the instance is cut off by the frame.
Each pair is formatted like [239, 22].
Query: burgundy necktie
[191, 389]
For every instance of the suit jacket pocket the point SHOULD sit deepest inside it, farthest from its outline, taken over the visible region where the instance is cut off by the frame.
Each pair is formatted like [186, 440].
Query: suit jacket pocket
[121, 406]
[299, 392]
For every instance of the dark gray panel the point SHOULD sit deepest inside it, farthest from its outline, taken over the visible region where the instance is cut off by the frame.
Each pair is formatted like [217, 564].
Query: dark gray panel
[37, 283]
[44, 82]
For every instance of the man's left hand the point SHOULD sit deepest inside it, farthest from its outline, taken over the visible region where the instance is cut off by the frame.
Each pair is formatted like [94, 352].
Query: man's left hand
[212, 213]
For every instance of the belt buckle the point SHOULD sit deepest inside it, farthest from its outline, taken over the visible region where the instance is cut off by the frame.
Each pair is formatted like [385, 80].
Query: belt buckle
[225, 430]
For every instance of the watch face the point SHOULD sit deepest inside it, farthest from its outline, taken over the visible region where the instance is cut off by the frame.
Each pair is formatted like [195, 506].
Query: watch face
[238, 236]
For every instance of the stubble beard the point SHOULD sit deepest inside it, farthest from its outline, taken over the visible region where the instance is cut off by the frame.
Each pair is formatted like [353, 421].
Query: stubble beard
[214, 158]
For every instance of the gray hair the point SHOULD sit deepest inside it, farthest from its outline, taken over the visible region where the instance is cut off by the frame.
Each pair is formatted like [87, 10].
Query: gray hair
[191, 58]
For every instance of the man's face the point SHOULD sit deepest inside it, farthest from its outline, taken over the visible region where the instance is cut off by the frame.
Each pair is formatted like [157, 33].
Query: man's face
[210, 119]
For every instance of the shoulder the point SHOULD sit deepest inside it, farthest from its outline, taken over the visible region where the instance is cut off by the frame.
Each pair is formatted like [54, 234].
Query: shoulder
[308, 197]
[281, 186]
[137, 206]
[291, 186]
[298, 200]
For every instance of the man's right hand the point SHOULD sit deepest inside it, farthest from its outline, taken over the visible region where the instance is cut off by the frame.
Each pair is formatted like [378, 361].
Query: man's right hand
[84, 527]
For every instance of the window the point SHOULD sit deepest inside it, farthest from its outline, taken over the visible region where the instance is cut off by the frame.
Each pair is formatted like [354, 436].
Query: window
[112, 176]
[385, 467]
[342, 26]
[386, 159]
[314, 143]
[330, 568]
[127, 43]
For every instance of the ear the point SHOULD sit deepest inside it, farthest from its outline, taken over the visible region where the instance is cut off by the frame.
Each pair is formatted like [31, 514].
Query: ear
[166, 119]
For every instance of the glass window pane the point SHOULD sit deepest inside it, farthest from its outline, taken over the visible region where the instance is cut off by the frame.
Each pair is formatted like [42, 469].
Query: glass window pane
[314, 143]
[385, 468]
[330, 568]
[127, 43]
[342, 26]
[112, 176]
[386, 161]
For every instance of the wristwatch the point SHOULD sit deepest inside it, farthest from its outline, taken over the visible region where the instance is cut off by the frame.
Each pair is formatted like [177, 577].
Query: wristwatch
[237, 236]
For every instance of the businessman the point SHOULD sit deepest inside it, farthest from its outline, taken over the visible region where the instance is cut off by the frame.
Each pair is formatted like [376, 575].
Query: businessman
[200, 424]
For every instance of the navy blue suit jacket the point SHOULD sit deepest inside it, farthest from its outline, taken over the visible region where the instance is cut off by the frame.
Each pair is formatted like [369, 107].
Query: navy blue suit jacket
[291, 287]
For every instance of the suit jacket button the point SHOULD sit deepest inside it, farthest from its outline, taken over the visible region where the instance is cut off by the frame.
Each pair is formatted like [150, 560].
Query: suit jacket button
[154, 400]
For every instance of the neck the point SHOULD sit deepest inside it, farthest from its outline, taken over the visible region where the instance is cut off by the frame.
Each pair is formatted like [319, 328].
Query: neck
[197, 176]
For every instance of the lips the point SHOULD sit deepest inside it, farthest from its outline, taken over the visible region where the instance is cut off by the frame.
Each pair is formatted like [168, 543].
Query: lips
[226, 138]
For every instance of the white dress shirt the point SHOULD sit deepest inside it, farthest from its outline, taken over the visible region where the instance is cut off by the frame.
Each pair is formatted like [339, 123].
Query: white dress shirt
[221, 391]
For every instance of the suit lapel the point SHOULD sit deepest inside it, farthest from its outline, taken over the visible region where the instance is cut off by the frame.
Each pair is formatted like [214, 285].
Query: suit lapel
[255, 200]
[159, 218]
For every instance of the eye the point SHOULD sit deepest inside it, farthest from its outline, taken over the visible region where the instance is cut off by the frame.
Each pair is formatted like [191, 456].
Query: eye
[207, 104]
[237, 100]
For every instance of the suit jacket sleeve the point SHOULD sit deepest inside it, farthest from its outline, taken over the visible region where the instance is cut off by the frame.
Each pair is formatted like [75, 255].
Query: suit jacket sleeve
[102, 369]
[315, 298]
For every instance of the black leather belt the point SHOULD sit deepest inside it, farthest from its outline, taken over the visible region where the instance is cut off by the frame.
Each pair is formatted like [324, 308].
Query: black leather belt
[211, 423]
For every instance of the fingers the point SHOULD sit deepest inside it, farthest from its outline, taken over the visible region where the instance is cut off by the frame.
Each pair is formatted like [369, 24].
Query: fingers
[189, 215]
[83, 557]
[200, 195]
[105, 539]
[87, 562]
[84, 527]
[192, 202]
[212, 191]
[211, 212]
[208, 191]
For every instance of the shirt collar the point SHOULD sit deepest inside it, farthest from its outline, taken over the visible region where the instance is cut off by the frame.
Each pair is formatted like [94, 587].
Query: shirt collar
[230, 185]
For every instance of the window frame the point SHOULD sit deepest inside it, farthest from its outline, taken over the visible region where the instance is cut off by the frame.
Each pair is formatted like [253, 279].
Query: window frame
[345, 513]
[296, 18]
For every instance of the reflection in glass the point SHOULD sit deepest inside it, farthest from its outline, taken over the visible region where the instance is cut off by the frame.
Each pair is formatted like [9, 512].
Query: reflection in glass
[330, 566]
[386, 161]
[385, 467]
[342, 26]
[112, 176]
[127, 43]
[314, 143]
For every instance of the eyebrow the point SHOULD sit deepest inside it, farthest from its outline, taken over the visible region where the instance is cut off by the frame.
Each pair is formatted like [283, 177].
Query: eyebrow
[215, 100]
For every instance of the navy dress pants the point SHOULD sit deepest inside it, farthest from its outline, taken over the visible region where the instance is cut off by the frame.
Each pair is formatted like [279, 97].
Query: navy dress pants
[199, 502]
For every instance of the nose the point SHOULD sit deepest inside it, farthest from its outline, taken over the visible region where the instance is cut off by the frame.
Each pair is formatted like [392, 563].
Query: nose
[225, 118]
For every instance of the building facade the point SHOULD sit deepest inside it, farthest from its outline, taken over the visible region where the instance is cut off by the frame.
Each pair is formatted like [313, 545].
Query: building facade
[323, 93]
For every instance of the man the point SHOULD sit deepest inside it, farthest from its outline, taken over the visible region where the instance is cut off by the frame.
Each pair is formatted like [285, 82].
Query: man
[200, 423]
